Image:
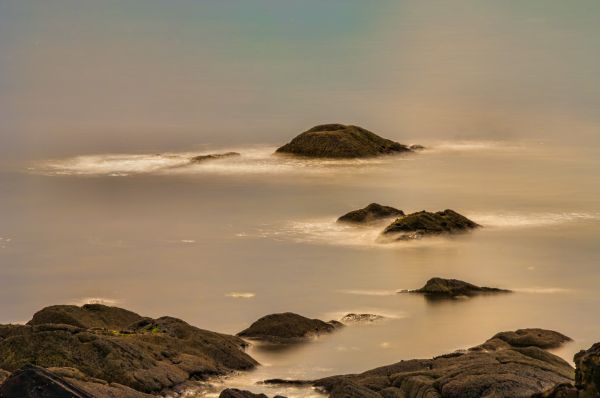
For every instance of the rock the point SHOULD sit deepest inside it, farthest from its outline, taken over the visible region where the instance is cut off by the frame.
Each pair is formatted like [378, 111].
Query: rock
[372, 212]
[87, 316]
[540, 338]
[361, 318]
[417, 147]
[35, 382]
[454, 287]
[587, 374]
[3, 375]
[424, 223]
[235, 393]
[149, 355]
[341, 141]
[499, 370]
[213, 156]
[286, 328]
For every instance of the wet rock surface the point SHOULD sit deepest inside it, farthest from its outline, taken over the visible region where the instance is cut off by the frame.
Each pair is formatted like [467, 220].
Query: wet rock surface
[441, 287]
[286, 328]
[341, 141]
[493, 369]
[148, 355]
[424, 223]
[372, 212]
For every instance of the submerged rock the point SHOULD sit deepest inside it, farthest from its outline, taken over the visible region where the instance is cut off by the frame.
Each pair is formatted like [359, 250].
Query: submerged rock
[149, 355]
[423, 223]
[341, 141]
[500, 370]
[287, 327]
[213, 156]
[454, 287]
[372, 212]
[361, 318]
[417, 147]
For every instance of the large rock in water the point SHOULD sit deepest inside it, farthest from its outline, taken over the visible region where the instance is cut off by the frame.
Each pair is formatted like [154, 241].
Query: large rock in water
[341, 141]
[495, 369]
[372, 212]
[287, 328]
[587, 377]
[148, 355]
[441, 287]
[424, 223]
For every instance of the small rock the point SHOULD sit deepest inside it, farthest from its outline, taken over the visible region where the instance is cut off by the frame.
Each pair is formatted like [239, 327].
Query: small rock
[361, 318]
[453, 288]
[287, 327]
[372, 212]
[424, 223]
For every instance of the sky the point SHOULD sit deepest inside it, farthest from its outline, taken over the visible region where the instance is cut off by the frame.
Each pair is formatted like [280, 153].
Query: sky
[88, 76]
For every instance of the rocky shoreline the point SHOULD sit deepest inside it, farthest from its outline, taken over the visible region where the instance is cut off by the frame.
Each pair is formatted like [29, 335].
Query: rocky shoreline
[96, 351]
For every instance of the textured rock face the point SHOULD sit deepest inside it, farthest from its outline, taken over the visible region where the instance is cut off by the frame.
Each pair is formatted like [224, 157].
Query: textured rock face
[494, 369]
[87, 316]
[423, 223]
[36, 382]
[372, 212]
[287, 327]
[341, 141]
[453, 287]
[149, 355]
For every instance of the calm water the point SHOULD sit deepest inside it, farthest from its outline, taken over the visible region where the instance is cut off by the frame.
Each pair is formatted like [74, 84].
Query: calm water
[222, 243]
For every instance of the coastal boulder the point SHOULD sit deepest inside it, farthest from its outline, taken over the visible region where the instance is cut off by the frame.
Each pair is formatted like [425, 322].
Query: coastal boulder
[499, 371]
[372, 212]
[441, 287]
[341, 141]
[287, 327]
[424, 223]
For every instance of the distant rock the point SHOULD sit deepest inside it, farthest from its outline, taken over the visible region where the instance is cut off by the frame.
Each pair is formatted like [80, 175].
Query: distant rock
[341, 141]
[148, 355]
[286, 328]
[453, 288]
[499, 371]
[424, 223]
[213, 156]
[417, 147]
[372, 212]
[361, 318]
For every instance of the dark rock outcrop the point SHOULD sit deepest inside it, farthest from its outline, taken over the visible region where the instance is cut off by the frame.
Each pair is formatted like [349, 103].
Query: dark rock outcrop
[341, 141]
[440, 287]
[286, 328]
[213, 156]
[372, 212]
[35, 382]
[587, 377]
[424, 223]
[494, 369]
[149, 355]
[361, 318]
[235, 393]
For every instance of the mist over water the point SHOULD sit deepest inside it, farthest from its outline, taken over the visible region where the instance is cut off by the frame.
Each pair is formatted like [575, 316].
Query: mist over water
[104, 104]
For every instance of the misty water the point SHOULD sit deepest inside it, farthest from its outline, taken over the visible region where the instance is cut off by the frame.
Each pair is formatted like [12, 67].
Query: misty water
[224, 242]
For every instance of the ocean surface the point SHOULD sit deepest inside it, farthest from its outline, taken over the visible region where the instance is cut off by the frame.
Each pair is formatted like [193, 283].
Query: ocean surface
[224, 242]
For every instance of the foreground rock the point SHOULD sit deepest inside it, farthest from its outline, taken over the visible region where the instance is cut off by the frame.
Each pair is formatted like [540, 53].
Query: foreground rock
[235, 393]
[495, 369]
[148, 355]
[424, 223]
[440, 287]
[361, 318]
[213, 156]
[341, 141]
[287, 328]
[587, 377]
[36, 382]
[372, 212]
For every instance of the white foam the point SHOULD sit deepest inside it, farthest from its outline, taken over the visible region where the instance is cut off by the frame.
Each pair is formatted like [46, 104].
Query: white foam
[241, 295]
[96, 300]
[252, 160]
[527, 220]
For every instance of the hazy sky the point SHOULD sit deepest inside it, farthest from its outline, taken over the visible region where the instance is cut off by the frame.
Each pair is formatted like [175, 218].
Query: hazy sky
[84, 76]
